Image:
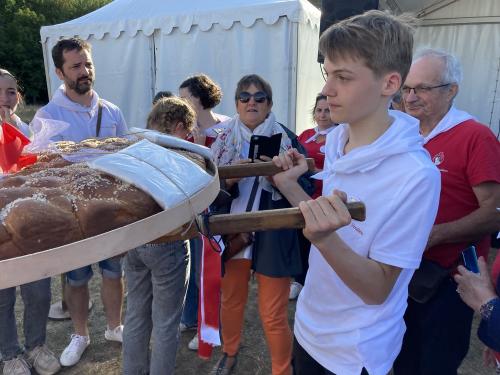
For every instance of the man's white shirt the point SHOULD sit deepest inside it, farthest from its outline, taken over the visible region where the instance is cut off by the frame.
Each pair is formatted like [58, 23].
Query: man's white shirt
[82, 120]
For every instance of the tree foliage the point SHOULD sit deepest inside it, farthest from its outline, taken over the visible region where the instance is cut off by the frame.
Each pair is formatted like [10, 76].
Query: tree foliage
[20, 47]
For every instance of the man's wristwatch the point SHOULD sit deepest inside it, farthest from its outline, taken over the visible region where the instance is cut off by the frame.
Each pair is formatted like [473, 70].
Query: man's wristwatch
[486, 309]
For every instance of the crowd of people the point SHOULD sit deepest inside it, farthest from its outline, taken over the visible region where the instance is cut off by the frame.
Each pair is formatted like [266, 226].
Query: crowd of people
[386, 293]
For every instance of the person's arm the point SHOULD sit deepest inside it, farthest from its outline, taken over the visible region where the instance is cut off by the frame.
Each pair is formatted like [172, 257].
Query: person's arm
[294, 165]
[477, 291]
[371, 280]
[477, 224]
[489, 328]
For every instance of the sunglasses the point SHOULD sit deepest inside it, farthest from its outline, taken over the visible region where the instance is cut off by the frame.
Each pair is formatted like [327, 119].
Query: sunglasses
[259, 97]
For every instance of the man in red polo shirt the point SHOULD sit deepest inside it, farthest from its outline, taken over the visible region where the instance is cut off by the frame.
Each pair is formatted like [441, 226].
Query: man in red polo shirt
[468, 156]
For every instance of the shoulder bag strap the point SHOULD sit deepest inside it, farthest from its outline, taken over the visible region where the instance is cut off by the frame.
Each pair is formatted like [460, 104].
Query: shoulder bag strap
[99, 119]
[253, 193]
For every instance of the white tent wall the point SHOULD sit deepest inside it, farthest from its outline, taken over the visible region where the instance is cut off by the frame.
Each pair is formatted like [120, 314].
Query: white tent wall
[226, 56]
[123, 73]
[309, 78]
[142, 47]
[470, 29]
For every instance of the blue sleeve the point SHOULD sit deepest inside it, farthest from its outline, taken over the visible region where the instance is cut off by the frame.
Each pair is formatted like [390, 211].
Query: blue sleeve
[489, 330]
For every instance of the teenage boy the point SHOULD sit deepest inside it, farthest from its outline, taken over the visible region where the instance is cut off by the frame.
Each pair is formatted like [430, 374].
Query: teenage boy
[349, 317]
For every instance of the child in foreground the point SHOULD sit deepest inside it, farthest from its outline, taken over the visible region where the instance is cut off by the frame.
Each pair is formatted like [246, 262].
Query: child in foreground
[349, 317]
[157, 275]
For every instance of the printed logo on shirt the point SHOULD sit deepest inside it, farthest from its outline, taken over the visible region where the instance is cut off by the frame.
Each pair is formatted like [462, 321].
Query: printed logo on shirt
[357, 229]
[438, 158]
[322, 149]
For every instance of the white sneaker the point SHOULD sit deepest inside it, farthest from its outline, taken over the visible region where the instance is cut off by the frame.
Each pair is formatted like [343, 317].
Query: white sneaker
[16, 366]
[193, 344]
[115, 334]
[43, 360]
[295, 289]
[73, 352]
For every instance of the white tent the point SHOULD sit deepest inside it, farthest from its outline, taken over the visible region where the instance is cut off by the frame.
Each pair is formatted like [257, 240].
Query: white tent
[141, 47]
[470, 29]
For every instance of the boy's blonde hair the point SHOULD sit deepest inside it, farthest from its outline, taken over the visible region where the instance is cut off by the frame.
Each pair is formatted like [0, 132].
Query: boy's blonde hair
[384, 42]
[168, 112]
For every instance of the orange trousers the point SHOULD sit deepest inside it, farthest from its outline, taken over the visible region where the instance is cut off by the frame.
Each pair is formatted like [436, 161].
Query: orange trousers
[273, 302]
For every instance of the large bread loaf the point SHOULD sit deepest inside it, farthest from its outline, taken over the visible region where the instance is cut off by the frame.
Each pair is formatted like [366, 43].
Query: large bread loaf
[55, 202]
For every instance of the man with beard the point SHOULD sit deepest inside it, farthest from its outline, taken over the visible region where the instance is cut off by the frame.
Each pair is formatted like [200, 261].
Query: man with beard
[87, 116]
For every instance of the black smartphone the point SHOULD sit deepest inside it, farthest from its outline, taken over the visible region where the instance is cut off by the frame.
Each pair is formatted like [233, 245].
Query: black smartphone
[263, 145]
[469, 259]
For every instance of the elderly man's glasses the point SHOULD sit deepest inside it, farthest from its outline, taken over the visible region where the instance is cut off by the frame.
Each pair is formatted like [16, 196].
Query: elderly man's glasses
[421, 89]
[259, 97]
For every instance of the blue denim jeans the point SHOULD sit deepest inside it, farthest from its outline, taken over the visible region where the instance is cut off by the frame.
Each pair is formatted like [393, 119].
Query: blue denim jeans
[190, 313]
[110, 268]
[36, 299]
[157, 277]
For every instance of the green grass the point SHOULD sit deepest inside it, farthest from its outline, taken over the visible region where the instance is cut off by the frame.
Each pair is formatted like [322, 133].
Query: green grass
[27, 111]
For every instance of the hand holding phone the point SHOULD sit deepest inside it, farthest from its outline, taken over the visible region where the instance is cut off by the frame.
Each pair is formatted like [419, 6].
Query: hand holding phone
[263, 145]
[469, 259]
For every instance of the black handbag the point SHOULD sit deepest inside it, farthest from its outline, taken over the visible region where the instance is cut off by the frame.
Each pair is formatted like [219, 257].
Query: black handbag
[426, 281]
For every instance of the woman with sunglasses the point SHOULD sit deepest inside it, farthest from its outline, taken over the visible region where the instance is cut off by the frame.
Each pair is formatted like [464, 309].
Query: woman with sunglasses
[273, 255]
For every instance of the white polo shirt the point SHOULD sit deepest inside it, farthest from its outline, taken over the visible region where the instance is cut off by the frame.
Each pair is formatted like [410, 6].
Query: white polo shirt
[82, 120]
[400, 186]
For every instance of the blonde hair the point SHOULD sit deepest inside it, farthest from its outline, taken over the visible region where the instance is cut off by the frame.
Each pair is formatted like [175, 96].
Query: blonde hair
[384, 42]
[168, 112]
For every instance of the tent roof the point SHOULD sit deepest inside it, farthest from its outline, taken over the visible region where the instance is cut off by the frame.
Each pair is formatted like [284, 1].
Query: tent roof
[130, 16]
[419, 7]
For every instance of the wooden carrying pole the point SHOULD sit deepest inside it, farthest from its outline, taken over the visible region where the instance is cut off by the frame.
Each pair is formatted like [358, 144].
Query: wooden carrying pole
[285, 218]
[254, 169]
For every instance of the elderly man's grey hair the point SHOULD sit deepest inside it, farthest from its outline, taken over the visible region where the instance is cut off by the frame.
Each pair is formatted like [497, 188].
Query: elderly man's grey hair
[452, 68]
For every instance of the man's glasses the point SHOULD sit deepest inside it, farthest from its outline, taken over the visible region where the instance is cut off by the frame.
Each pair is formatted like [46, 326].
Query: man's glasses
[259, 97]
[421, 89]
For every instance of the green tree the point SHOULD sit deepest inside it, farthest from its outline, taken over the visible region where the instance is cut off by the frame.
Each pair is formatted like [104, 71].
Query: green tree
[20, 47]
